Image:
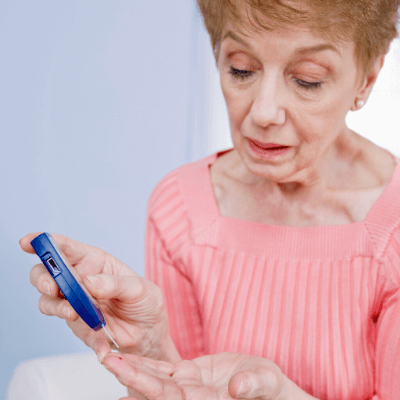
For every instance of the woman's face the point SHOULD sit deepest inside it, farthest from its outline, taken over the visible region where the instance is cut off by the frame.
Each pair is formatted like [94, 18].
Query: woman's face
[287, 94]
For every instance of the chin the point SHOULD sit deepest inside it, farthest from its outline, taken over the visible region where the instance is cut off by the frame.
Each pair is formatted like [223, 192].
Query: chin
[275, 173]
[285, 172]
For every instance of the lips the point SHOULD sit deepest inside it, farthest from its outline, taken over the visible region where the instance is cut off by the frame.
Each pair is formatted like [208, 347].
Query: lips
[268, 146]
[267, 151]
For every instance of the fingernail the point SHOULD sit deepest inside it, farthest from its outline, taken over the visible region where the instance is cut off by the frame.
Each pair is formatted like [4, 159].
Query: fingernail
[101, 358]
[96, 282]
[243, 388]
[47, 288]
[67, 312]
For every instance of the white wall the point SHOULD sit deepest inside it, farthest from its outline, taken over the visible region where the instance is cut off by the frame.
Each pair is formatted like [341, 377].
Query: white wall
[379, 120]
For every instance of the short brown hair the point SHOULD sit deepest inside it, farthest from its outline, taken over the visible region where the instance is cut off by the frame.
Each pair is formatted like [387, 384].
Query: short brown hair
[370, 24]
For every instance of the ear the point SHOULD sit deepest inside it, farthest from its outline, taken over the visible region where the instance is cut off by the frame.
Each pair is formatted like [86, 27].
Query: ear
[367, 85]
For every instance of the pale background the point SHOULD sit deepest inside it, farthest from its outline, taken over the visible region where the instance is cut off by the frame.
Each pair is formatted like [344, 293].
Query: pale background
[98, 101]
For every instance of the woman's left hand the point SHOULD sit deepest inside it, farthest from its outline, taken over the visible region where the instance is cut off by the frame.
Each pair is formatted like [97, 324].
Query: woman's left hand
[221, 376]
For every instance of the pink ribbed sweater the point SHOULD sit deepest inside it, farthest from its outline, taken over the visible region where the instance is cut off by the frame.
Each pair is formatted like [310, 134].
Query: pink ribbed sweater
[322, 302]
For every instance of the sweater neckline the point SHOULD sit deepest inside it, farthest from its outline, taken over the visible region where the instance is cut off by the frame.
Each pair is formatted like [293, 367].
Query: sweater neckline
[379, 204]
[213, 228]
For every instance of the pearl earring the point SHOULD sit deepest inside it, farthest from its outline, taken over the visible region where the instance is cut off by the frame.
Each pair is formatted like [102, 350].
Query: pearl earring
[360, 103]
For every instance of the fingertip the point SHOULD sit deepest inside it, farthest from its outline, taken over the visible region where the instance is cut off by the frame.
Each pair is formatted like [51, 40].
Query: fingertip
[94, 281]
[235, 386]
[112, 361]
[106, 286]
[47, 288]
[73, 316]
[250, 384]
[25, 242]
[101, 357]
[68, 313]
[102, 352]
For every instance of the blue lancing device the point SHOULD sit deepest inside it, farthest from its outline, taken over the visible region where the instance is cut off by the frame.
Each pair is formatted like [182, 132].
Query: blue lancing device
[67, 280]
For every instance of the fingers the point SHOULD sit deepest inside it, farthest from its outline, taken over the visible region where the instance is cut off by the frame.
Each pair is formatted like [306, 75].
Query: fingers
[151, 365]
[152, 383]
[265, 384]
[123, 288]
[42, 281]
[75, 251]
[187, 373]
[87, 259]
[50, 303]
[96, 340]
[57, 307]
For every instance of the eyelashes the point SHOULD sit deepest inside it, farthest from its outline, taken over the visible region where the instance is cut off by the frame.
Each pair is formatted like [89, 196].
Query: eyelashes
[242, 75]
[308, 85]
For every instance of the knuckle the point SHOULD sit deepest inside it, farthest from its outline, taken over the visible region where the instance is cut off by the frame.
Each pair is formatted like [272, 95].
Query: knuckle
[140, 286]
[35, 273]
[114, 283]
[73, 316]
[43, 305]
[131, 287]
[272, 382]
[63, 310]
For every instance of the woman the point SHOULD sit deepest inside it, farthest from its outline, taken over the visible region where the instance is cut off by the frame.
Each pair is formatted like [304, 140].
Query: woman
[285, 248]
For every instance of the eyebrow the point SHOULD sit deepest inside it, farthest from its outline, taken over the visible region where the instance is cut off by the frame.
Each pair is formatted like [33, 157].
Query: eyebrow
[300, 50]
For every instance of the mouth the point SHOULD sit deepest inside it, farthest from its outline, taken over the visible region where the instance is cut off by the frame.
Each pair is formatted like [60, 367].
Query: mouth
[267, 150]
[268, 146]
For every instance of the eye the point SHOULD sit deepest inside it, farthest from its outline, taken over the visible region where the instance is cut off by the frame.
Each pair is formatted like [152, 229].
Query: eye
[240, 73]
[308, 85]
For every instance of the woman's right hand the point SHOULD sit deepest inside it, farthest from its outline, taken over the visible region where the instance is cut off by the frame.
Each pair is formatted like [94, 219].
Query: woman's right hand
[132, 305]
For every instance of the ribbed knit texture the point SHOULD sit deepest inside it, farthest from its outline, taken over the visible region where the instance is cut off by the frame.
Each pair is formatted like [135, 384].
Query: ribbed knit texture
[322, 302]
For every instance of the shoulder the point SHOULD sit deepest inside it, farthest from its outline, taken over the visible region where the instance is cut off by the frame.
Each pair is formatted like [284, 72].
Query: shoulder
[393, 254]
[383, 225]
[383, 219]
[182, 203]
[177, 207]
[179, 184]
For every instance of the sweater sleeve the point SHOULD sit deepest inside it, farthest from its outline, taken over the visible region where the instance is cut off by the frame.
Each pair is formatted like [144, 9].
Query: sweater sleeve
[388, 329]
[166, 239]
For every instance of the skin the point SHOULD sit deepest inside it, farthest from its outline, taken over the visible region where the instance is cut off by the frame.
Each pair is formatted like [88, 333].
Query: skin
[329, 168]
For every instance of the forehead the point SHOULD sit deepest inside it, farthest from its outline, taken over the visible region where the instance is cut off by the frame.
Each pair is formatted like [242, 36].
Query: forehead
[291, 41]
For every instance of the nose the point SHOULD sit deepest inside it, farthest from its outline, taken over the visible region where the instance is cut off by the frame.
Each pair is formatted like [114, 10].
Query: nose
[267, 108]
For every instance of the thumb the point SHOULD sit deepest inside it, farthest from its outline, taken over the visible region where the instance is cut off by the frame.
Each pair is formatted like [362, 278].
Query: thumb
[124, 288]
[262, 384]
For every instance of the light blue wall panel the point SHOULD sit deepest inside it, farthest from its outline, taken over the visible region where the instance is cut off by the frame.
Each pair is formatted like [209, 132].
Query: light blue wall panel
[95, 107]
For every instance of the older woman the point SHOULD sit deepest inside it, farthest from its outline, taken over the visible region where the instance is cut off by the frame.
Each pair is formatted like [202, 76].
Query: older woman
[286, 248]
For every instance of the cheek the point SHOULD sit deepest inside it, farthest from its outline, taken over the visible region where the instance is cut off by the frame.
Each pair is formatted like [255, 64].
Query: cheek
[323, 118]
[316, 131]
[238, 106]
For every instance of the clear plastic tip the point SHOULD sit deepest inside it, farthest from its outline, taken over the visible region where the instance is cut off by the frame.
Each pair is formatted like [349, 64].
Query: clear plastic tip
[105, 330]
